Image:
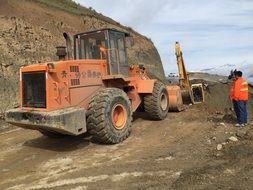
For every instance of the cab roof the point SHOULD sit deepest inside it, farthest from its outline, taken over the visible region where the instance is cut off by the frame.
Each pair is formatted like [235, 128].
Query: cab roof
[104, 29]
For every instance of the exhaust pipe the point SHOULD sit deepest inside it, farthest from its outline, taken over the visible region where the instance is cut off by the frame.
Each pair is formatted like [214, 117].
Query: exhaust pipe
[69, 44]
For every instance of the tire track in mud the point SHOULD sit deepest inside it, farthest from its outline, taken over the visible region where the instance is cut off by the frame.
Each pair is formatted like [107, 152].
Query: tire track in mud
[151, 154]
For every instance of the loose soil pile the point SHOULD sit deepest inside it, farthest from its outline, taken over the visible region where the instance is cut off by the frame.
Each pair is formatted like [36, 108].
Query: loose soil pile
[217, 102]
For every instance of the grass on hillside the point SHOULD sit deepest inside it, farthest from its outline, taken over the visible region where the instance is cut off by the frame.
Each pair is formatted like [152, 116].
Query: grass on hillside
[69, 6]
[75, 8]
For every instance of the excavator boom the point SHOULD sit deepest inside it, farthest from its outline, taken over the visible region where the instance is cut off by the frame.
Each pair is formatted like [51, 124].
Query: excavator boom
[183, 75]
[190, 93]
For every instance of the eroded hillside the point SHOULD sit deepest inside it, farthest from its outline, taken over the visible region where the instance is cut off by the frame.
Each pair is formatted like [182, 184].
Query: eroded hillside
[30, 31]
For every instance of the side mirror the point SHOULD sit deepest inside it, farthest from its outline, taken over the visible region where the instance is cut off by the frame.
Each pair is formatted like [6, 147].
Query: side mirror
[129, 41]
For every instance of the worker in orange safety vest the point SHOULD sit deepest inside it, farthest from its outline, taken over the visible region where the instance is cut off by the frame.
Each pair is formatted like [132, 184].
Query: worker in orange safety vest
[239, 96]
[103, 51]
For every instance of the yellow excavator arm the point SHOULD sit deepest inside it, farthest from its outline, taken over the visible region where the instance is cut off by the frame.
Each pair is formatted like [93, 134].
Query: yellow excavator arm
[183, 75]
[190, 93]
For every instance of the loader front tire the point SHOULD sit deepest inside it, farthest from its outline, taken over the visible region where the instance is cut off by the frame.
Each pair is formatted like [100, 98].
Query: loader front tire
[109, 116]
[156, 104]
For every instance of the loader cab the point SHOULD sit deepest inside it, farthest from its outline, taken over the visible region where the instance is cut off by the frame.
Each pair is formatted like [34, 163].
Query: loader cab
[108, 44]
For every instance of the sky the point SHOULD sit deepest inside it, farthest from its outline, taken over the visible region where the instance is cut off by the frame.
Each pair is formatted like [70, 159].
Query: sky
[212, 33]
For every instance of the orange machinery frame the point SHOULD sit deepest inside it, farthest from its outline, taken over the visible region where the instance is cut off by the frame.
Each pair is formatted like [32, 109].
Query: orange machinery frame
[90, 76]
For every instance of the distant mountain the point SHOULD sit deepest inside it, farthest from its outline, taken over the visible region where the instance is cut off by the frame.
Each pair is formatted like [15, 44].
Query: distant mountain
[220, 69]
[246, 68]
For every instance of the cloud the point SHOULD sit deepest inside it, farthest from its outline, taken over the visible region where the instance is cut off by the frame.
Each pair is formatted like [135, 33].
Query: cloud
[211, 33]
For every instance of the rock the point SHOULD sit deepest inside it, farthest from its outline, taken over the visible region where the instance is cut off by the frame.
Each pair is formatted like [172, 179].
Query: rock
[224, 143]
[233, 139]
[229, 171]
[219, 113]
[219, 154]
[27, 46]
[219, 147]
[222, 124]
[214, 138]
[5, 170]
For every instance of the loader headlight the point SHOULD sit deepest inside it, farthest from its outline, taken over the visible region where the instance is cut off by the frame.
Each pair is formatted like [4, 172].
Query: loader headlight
[51, 67]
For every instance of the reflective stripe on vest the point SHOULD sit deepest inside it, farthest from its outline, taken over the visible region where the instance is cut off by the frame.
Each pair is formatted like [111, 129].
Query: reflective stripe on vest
[244, 86]
[244, 89]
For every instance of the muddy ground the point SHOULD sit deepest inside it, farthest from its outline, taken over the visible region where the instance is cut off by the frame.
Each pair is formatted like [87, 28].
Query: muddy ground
[177, 153]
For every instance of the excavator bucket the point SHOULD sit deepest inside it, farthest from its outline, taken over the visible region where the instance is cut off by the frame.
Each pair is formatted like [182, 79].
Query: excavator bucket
[191, 93]
[198, 93]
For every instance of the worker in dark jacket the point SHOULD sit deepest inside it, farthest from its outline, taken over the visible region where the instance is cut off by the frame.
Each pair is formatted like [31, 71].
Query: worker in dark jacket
[239, 96]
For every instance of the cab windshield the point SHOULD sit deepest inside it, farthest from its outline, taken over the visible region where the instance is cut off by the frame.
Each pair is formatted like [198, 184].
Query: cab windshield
[88, 45]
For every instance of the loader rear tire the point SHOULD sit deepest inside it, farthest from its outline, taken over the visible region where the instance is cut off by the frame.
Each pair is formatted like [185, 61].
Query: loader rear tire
[156, 104]
[109, 116]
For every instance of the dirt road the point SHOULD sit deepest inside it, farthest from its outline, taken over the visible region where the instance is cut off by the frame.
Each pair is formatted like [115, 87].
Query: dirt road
[168, 154]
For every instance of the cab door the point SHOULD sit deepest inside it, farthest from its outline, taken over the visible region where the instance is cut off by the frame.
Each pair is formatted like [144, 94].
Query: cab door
[117, 54]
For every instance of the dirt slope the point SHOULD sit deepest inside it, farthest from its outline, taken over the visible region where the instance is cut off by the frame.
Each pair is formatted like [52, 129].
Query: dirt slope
[30, 31]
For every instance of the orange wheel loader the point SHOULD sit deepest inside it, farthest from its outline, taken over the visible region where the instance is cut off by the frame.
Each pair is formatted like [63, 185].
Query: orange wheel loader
[91, 88]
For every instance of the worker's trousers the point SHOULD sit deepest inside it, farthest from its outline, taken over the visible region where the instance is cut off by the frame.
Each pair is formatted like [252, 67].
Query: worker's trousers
[240, 107]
